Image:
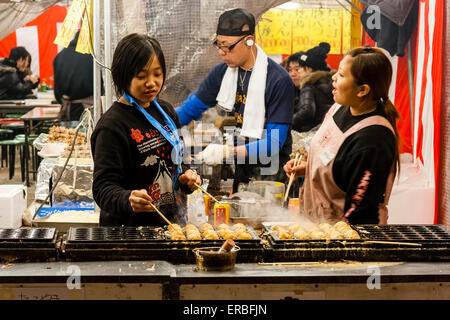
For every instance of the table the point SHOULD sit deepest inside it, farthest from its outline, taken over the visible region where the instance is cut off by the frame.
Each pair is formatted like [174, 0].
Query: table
[49, 112]
[14, 106]
[162, 280]
[23, 106]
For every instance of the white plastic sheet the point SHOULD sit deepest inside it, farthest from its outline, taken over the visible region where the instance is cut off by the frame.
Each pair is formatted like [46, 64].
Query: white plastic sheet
[413, 196]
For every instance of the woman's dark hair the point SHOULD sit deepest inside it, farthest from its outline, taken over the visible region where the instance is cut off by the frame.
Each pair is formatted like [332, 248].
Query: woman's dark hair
[19, 52]
[372, 67]
[131, 56]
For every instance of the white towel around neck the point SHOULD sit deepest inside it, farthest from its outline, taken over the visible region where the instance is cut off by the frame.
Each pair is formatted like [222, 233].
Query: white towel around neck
[255, 109]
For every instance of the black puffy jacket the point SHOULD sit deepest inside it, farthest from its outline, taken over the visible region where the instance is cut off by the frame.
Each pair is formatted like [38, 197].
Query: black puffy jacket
[11, 85]
[315, 99]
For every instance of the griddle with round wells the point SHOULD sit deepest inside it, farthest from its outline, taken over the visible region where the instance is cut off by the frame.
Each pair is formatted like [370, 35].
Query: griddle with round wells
[143, 243]
[377, 243]
[28, 245]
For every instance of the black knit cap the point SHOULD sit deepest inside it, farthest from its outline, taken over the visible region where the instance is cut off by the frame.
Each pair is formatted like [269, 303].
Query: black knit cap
[315, 57]
[236, 22]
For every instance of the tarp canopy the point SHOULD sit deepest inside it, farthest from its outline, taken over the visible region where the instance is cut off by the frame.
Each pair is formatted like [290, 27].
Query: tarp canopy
[13, 15]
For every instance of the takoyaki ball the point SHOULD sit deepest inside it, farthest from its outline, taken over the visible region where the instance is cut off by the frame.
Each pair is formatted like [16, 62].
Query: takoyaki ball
[315, 229]
[351, 234]
[190, 226]
[244, 235]
[193, 236]
[175, 228]
[334, 234]
[229, 235]
[206, 227]
[277, 227]
[210, 235]
[302, 235]
[284, 235]
[223, 226]
[177, 236]
[341, 224]
[224, 231]
[325, 226]
[293, 228]
[317, 235]
[239, 227]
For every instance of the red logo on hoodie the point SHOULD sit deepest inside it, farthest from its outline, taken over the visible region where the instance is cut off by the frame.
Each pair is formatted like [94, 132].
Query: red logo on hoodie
[137, 135]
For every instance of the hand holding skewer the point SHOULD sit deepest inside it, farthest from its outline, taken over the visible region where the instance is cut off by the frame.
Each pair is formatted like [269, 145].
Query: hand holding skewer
[141, 201]
[292, 176]
[206, 192]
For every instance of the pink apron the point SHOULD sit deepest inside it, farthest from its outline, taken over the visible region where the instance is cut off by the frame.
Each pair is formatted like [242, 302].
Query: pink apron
[320, 197]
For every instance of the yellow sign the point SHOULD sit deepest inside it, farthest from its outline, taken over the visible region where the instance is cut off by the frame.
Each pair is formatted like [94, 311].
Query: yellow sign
[355, 25]
[289, 31]
[276, 31]
[70, 24]
[84, 43]
[301, 26]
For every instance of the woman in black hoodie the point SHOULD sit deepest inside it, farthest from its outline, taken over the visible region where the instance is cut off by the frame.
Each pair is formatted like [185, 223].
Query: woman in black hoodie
[315, 88]
[14, 84]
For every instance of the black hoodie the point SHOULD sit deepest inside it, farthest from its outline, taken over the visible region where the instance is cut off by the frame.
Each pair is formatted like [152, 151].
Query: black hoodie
[73, 76]
[315, 99]
[11, 84]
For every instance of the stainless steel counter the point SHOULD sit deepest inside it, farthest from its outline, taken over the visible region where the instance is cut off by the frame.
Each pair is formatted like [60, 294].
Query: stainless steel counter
[162, 280]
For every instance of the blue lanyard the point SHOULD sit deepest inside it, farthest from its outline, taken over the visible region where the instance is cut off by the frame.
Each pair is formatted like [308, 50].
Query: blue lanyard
[172, 137]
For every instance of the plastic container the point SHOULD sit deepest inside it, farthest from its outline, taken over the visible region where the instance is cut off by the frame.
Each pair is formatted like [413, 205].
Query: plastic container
[210, 259]
[293, 205]
[44, 85]
[13, 203]
[221, 213]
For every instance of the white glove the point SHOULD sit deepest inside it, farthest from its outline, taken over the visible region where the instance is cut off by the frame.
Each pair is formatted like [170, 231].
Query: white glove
[214, 154]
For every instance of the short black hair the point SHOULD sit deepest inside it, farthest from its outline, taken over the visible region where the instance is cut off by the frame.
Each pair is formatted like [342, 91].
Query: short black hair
[295, 57]
[19, 52]
[130, 57]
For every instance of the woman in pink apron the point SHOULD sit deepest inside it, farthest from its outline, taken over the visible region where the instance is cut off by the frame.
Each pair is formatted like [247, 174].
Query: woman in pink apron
[353, 157]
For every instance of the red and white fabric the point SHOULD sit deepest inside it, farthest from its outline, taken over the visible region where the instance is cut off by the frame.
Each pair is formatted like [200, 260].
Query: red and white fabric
[37, 37]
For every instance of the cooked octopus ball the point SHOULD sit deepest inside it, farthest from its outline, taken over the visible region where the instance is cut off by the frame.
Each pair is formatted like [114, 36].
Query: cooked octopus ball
[244, 235]
[302, 235]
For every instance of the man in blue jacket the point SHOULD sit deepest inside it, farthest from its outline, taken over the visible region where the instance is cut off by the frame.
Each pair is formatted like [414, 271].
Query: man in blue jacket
[260, 94]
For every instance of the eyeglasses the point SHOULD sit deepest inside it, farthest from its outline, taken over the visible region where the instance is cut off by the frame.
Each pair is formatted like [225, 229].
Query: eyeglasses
[294, 69]
[226, 49]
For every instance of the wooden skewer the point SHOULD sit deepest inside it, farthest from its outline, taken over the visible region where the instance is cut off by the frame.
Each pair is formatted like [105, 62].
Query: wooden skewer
[159, 212]
[203, 190]
[292, 177]
[393, 242]
[289, 263]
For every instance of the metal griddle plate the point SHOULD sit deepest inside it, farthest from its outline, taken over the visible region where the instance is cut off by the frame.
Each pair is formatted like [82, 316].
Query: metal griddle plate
[267, 228]
[27, 234]
[397, 233]
[137, 234]
[115, 234]
[404, 233]
[255, 238]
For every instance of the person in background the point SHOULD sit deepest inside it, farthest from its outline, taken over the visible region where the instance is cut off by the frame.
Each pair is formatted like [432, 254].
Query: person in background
[353, 157]
[74, 78]
[284, 64]
[260, 94]
[136, 147]
[312, 77]
[14, 83]
[293, 67]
